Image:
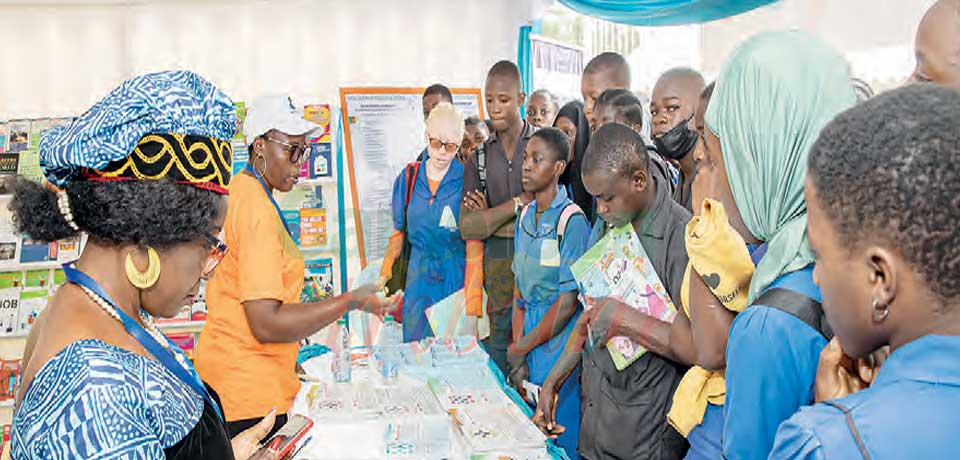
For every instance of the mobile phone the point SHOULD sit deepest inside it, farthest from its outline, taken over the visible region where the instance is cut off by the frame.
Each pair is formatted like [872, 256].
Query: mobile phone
[290, 434]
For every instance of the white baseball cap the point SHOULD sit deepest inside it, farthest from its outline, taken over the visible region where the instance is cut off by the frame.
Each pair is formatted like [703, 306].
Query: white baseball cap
[275, 111]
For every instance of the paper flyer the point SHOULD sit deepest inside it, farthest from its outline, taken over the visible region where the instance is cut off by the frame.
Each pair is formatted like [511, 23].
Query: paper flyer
[18, 135]
[9, 240]
[31, 304]
[9, 382]
[618, 267]
[37, 128]
[291, 219]
[9, 164]
[68, 249]
[36, 278]
[313, 228]
[317, 280]
[240, 156]
[34, 251]
[448, 317]
[9, 308]
[319, 114]
[9, 280]
[3, 137]
[29, 165]
[241, 108]
[320, 164]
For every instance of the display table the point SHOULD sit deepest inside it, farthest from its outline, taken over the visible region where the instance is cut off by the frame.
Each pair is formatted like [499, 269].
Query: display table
[450, 401]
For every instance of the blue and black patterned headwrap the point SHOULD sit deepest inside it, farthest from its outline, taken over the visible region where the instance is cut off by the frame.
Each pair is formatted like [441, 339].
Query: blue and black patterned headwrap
[167, 125]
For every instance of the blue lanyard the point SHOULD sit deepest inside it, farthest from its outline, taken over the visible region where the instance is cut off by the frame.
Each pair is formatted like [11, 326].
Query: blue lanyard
[187, 375]
[266, 190]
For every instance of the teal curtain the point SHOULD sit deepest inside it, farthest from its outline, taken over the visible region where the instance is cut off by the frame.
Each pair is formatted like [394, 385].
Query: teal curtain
[662, 12]
[525, 63]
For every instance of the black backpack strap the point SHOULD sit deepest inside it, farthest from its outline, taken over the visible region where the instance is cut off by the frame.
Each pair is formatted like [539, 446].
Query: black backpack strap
[806, 309]
[482, 168]
[852, 426]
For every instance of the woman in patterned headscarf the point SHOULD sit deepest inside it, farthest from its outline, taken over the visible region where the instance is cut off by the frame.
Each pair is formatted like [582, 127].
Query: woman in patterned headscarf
[144, 174]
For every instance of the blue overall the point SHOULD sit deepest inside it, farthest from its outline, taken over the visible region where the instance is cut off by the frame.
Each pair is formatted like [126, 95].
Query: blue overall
[542, 269]
[437, 254]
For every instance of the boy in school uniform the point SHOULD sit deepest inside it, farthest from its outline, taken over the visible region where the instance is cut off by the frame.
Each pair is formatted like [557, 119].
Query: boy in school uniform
[624, 413]
[493, 196]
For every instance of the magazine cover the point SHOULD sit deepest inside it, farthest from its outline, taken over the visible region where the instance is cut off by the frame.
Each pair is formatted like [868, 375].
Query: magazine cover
[313, 228]
[18, 135]
[35, 251]
[618, 267]
[3, 137]
[68, 249]
[9, 165]
[9, 308]
[318, 280]
[37, 128]
[31, 304]
[29, 165]
[319, 114]
[9, 381]
[321, 163]
[36, 279]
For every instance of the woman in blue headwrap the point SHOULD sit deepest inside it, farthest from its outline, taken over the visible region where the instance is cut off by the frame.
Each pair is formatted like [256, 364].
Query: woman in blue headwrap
[144, 173]
[771, 100]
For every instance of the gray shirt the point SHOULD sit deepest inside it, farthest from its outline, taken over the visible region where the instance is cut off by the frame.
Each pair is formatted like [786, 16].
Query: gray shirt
[623, 413]
[504, 181]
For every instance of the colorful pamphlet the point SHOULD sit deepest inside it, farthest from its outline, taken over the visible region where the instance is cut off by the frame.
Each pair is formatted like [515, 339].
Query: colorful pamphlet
[618, 267]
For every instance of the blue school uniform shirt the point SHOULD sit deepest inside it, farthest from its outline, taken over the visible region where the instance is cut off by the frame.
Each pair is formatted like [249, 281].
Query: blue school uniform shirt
[541, 267]
[772, 359]
[437, 253]
[910, 411]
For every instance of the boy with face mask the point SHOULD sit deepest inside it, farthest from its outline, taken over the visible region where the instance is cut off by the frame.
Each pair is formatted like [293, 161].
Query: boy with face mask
[674, 101]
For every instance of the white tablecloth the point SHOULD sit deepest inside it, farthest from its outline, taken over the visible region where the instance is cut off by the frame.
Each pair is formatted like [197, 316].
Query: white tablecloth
[446, 404]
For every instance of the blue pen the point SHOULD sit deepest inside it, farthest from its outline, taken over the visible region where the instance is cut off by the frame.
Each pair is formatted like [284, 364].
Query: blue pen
[304, 444]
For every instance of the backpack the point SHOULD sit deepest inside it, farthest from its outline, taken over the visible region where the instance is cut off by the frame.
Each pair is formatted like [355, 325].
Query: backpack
[785, 295]
[398, 275]
[570, 210]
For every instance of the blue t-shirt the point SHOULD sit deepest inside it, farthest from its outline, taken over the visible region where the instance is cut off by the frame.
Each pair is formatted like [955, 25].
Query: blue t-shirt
[772, 359]
[910, 411]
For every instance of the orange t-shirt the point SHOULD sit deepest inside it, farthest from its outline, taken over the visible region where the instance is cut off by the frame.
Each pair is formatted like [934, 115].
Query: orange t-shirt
[262, 262]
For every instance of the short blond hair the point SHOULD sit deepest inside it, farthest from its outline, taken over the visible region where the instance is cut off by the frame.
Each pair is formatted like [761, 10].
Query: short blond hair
[445, 116]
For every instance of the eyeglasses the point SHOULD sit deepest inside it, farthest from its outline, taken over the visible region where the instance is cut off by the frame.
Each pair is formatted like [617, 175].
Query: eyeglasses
[218, 250]
[295, 151]
[449, 147]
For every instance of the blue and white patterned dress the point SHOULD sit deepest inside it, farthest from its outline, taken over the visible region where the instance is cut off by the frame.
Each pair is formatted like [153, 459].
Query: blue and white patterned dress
[93, 399]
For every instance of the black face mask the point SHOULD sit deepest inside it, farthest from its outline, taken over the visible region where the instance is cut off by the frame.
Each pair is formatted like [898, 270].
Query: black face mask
[678, 142]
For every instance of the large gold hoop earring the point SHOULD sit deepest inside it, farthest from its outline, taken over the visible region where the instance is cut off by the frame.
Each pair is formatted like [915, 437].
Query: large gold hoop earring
[143, 279]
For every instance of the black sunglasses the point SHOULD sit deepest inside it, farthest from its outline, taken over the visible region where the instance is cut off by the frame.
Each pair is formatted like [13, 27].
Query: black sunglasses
[295, 151]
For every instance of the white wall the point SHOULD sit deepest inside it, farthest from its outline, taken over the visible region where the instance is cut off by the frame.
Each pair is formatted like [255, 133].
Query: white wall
[876, 36]
[61, 57]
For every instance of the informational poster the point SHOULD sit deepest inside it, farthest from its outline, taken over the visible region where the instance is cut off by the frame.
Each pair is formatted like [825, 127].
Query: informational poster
[384, 131]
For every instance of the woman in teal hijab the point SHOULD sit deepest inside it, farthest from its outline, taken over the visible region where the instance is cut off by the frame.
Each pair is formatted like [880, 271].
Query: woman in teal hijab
[776, 93]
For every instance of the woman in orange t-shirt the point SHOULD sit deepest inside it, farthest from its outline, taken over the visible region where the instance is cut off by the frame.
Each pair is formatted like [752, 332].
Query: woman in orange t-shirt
[248, 348]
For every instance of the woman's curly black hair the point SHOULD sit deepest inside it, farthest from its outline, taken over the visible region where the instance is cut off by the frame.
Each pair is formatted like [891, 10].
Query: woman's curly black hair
[155, 213]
